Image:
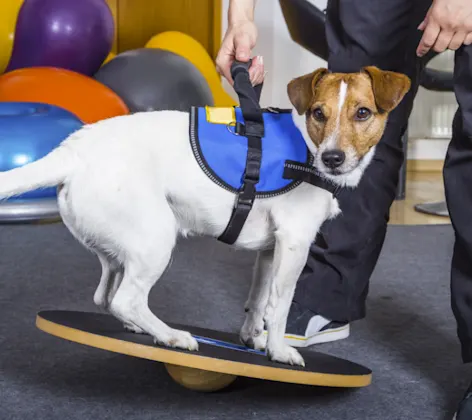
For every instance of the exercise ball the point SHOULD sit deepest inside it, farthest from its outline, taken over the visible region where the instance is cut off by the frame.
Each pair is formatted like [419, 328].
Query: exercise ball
[189, 48]
[110, 57]
[8, 15]
[85, 97]
[28, 132]
[153, 79]
[71, 34]
[199, 380]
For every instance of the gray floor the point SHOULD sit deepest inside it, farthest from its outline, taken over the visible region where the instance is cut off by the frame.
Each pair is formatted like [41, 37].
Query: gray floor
[408, 338]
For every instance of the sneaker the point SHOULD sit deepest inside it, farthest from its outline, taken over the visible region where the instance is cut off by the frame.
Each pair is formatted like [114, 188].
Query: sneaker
[464, 412]
[306, 328]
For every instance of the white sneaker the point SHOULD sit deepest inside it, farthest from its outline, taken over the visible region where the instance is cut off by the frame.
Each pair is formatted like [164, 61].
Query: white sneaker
[332, 331]
[305, 328]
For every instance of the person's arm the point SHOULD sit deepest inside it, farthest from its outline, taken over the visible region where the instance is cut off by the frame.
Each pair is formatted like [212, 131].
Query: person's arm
[239, 40]
[447, 25]
[241, 11]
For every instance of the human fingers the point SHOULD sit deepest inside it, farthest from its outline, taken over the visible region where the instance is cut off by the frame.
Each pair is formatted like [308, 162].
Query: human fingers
[429, 38]
[443, 40]
[457, 40]
[256, 71]
[225, 58]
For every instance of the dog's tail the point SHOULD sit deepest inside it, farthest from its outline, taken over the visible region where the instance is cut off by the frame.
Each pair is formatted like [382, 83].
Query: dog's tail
[49, 171]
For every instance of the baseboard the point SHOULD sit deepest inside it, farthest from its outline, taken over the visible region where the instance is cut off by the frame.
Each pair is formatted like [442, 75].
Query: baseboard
[426, 154]
[424, 165]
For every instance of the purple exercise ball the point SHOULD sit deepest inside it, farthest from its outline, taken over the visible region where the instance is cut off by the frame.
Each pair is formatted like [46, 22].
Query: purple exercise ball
[75, 35]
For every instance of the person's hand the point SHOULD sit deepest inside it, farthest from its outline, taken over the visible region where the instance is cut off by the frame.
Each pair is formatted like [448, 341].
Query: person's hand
[447, 25]
[237, 44]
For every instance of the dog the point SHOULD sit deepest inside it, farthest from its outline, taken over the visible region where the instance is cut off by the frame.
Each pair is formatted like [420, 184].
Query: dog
[129, 186]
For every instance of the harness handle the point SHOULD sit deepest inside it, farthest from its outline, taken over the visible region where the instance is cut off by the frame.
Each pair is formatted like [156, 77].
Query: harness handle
[244, 82]
[249, 96]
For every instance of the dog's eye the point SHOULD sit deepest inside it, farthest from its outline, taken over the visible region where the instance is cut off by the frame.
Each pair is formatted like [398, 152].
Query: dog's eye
[362, 114]
[318, 114]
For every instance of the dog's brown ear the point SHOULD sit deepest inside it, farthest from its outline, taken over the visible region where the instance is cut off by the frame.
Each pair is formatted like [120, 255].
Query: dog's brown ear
[389, 87]
[302, 89]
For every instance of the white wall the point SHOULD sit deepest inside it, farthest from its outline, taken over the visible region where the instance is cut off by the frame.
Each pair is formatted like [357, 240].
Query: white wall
[284, 60]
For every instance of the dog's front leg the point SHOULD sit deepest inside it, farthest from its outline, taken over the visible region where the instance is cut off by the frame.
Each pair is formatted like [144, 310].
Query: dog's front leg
[289, 259]
[252, 330]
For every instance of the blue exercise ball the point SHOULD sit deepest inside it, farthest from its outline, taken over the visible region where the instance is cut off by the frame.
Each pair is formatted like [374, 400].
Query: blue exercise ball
[28, 132]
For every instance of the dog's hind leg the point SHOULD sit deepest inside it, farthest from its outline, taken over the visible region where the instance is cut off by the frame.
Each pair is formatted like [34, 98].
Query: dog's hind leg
[252, 330]
[109, 267]
[114, 284]
[130, 303]
[146, 257]
[112, 275]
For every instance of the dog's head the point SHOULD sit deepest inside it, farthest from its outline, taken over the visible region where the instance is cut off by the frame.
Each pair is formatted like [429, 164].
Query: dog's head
[344, 116]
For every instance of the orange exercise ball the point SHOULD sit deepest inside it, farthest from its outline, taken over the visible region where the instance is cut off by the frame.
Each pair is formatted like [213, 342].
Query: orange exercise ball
[85, 97]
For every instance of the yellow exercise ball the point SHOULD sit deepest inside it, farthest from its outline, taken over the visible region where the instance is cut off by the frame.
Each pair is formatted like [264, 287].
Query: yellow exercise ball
[9, 10]
[110, 57]
[189, 48]
[199, 380]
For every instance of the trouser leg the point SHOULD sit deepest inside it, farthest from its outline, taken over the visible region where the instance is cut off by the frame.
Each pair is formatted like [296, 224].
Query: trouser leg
[458, 188]
[369, 32]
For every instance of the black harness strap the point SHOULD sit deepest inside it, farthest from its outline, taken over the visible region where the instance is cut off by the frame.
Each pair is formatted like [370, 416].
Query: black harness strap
[253, 129]
[306, 173]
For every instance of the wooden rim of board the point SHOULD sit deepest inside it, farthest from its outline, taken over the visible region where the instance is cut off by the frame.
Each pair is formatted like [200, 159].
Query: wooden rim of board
[197, 361]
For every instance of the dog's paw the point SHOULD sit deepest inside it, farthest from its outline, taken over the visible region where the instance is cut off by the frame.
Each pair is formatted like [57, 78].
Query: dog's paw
[133, 328]
[252, 332]
[179, 340]
[287, 355]
[256, 340]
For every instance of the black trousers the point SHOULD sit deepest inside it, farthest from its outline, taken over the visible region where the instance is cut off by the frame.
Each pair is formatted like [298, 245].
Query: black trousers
[335, 281]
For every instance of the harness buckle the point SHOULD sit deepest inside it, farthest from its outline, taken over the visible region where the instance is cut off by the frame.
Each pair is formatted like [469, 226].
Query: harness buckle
[249, 129]
[234, 133]
[250, 178]
[246, 194]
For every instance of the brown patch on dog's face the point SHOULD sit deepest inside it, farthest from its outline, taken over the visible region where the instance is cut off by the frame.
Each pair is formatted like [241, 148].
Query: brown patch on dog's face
[346, 113]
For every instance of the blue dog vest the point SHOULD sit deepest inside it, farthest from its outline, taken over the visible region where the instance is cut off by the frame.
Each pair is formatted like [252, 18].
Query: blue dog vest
[221, 152]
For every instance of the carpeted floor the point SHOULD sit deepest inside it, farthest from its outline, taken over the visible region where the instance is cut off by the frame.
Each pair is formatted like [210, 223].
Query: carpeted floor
[408, 338]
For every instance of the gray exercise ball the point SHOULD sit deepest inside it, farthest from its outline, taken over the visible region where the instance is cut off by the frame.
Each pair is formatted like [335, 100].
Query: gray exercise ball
[151, 79]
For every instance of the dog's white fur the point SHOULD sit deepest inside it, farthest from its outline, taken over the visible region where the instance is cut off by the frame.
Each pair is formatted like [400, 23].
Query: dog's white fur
[130, 185]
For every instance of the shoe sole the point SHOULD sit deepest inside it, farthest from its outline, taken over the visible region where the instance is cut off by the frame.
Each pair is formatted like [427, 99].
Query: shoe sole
[326, 336]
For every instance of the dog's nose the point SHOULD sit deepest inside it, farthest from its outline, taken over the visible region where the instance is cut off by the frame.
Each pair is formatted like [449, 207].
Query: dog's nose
[333, 158]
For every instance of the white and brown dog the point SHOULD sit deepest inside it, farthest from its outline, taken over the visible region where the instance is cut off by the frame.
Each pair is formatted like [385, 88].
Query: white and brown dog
[122, 196]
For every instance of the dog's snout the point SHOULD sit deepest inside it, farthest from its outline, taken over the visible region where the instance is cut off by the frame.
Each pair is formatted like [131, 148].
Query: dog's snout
[333, 158]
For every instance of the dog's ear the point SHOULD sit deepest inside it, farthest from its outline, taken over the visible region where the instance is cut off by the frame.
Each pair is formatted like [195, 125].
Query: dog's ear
[389, 87]
[302, 89]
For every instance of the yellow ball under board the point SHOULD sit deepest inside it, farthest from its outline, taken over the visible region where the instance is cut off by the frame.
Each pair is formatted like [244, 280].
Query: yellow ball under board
[9, 10]
[189, 48]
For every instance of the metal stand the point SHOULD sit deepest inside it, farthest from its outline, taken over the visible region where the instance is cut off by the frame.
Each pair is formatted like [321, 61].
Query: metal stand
[438, 208]
[34, 210]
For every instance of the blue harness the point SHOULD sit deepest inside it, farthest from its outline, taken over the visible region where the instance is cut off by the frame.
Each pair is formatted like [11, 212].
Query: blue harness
[221, 152]
[252, 152]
